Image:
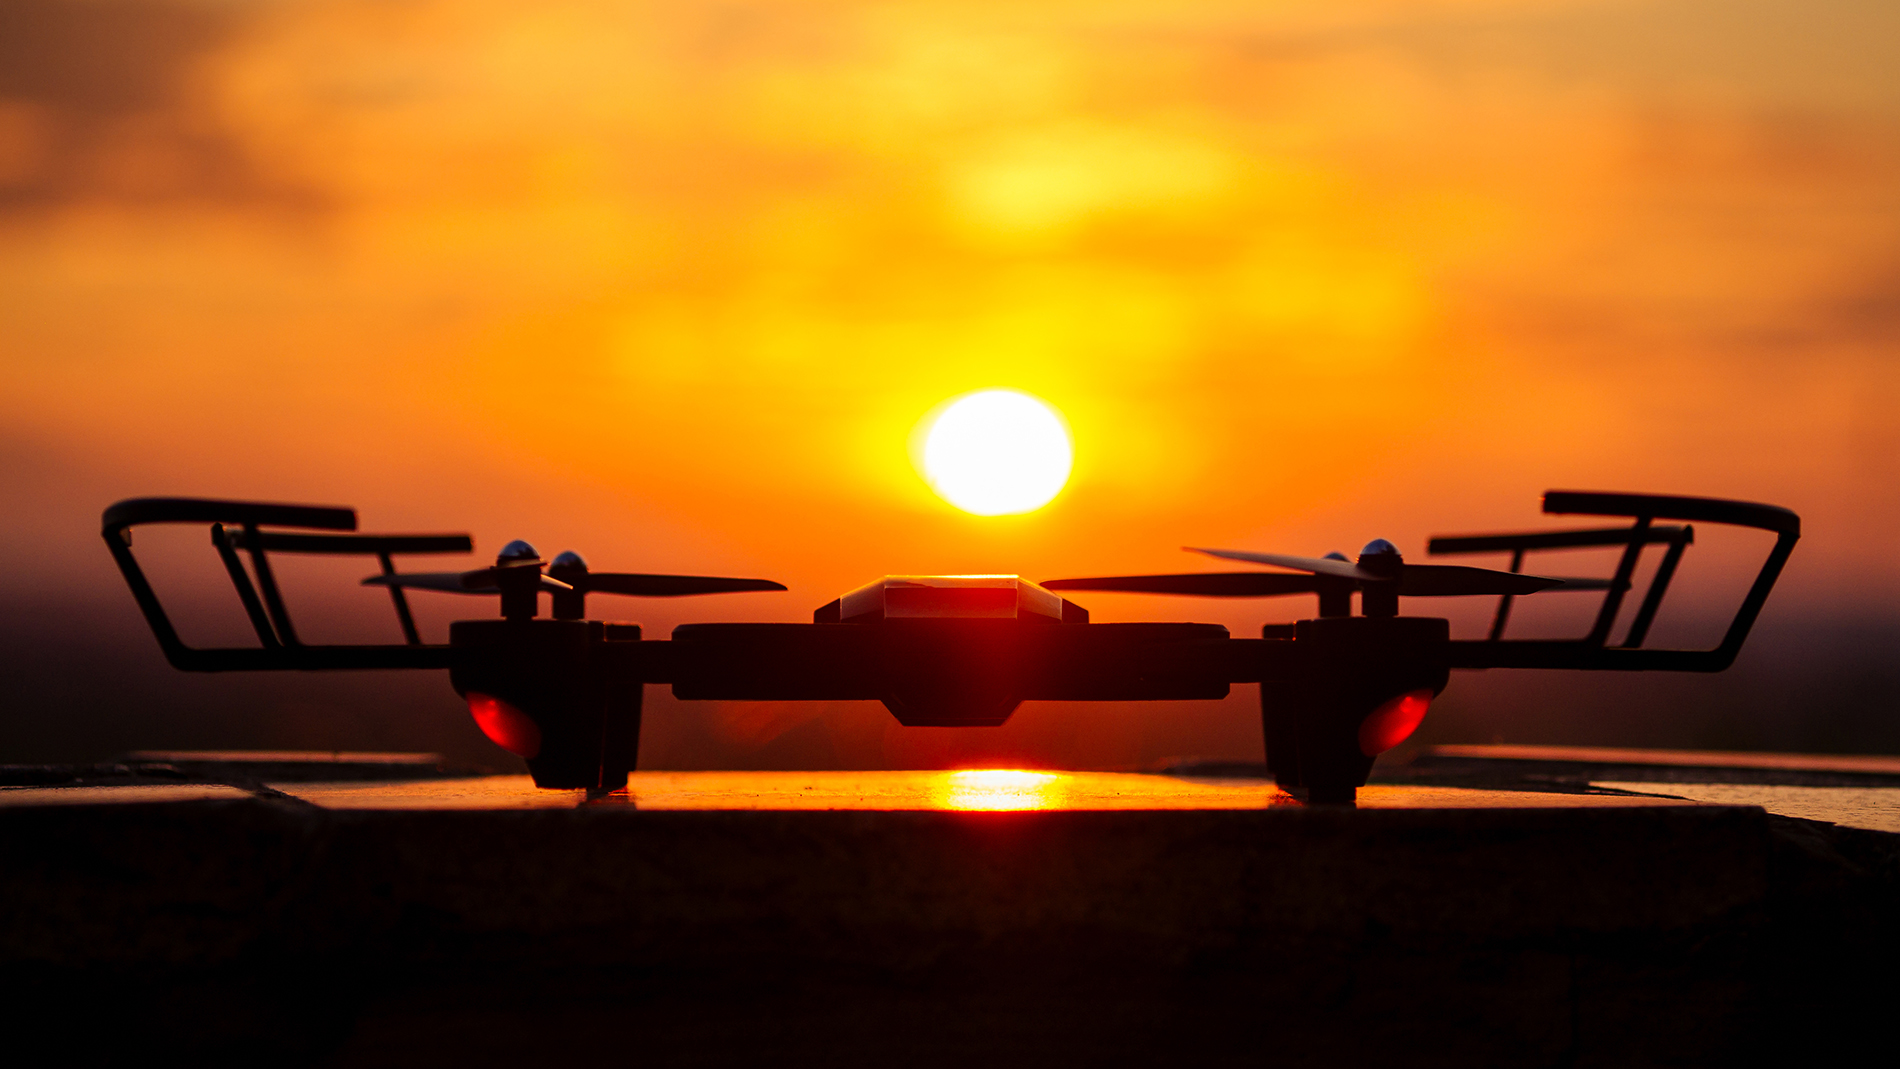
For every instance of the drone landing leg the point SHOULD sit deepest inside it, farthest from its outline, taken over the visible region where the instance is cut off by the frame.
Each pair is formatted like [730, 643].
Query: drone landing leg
[555, 673]
[620, 713]
[1283, 741]
[1279, 729]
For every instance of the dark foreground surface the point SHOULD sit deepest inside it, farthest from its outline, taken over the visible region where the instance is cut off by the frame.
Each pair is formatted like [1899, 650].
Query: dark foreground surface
[260, 927]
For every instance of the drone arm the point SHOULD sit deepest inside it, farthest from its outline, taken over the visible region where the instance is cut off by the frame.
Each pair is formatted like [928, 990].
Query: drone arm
[1658, 586]
[1504, 602]
[222, 539]
[267, 583]
[1646, 507]
[236, 523]
[1056, 662]
[1633, 539]
[143, 510]
[119, 519]
[1619, 583]
[1664, 507]
[382, 547]
[1571, 653]
[401, 601]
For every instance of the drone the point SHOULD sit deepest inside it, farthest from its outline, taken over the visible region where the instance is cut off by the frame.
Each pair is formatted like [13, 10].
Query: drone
[563, 692]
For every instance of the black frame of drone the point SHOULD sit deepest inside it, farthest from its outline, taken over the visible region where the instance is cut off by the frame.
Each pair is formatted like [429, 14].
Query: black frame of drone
[239, 526]
[1338, 684]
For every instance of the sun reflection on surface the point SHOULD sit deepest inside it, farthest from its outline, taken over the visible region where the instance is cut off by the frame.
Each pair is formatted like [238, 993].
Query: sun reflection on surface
[993, 789]
[976, 790]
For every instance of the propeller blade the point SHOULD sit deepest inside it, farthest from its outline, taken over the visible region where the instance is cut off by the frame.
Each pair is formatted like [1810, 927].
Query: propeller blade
[479, 581]
[475, 582]
[1201, 584]
[1415, 580]
[1317, 565]
[1452, 580]
[1572, 583]
[668, 586]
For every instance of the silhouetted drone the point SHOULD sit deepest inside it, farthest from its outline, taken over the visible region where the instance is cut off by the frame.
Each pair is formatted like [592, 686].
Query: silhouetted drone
[565, 692]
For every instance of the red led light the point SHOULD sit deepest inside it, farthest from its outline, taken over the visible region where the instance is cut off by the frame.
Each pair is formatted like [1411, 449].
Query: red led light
[505, 725]
[1393, 722]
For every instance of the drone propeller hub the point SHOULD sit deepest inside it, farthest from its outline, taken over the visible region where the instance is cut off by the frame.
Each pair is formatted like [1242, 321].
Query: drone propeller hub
[571, 568]
[1382, 557]
[517, 553]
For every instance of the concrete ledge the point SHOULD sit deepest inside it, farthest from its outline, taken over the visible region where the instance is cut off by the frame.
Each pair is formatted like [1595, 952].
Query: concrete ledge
[1623, 935]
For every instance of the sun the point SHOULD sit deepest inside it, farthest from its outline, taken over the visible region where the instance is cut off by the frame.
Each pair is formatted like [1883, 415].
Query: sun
[997, 452]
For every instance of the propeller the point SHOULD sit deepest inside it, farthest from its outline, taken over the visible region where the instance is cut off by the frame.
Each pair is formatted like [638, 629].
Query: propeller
[479, 581]
[567, 578]
[1381, 573]
[1204, 584]
[1380, 562]
[515, 558]
[569, 568]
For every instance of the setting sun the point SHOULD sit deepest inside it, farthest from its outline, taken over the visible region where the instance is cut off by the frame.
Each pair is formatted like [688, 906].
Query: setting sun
[997, 452]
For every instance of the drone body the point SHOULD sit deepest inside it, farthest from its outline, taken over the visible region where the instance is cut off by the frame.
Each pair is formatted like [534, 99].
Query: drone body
[564, 693]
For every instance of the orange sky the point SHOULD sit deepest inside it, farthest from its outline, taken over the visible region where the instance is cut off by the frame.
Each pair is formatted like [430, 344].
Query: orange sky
[673, 283]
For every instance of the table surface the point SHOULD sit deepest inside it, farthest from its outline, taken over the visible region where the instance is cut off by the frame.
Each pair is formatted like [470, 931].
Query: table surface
[1860, 806]
[968, 790]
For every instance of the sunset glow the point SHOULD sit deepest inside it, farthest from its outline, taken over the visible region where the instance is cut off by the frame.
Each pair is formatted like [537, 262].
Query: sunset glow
[681, 285]
[997, 452]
